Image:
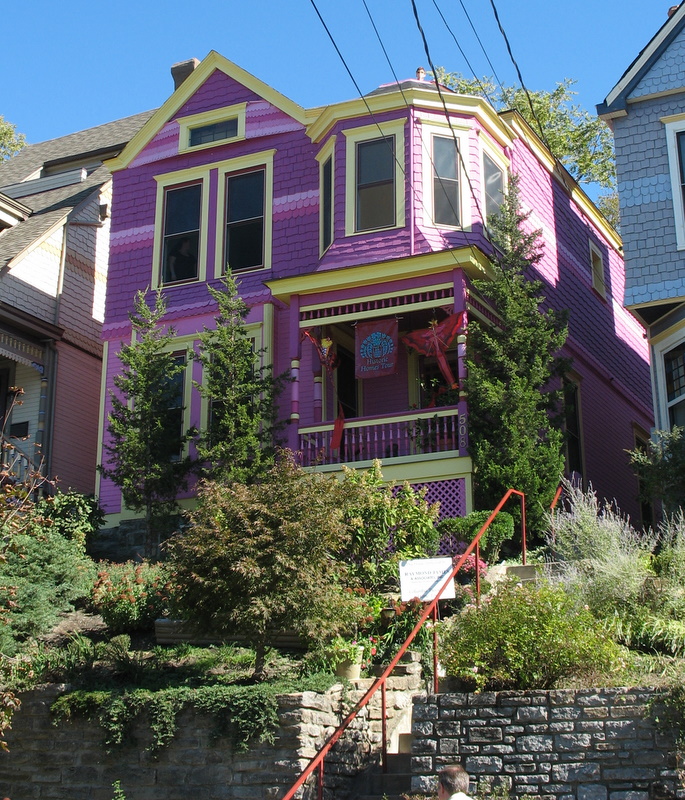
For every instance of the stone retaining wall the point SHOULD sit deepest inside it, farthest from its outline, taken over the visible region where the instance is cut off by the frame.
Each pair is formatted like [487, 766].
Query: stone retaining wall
[68, 761]
[559, 745]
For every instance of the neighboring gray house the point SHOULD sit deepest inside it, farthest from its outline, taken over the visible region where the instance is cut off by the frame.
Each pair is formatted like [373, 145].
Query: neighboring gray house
[646, 110]
[55, 199]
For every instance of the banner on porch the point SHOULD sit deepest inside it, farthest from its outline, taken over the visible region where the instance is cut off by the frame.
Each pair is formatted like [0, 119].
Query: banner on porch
[375, 348]
[435, 341]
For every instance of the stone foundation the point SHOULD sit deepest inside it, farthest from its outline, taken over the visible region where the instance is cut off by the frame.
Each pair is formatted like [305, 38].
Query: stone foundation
[559, 745]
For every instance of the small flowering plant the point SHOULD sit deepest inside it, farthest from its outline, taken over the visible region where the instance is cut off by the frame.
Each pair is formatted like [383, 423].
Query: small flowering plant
[130, 596]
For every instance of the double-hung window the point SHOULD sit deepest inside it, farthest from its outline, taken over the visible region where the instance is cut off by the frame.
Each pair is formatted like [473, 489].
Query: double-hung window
[446, 210]
[375, 195]
[244, 213]
[326, 159]
[493, 181]
[181, 232]
[244, 239]
[674, 371]
[374, 177]
[675, 140]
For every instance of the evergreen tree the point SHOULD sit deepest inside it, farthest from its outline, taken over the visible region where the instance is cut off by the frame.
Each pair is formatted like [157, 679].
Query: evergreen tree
[240, 440]
[514, 442]
[146, 440]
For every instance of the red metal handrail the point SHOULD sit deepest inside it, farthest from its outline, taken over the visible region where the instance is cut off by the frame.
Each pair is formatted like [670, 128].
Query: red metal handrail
[431, 609]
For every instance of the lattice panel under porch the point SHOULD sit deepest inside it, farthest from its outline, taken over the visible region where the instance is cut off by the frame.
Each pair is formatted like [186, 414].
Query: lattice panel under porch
[450, 494]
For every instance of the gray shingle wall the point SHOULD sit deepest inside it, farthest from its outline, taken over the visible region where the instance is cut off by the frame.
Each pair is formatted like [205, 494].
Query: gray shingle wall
[655, 269]
[666, 73]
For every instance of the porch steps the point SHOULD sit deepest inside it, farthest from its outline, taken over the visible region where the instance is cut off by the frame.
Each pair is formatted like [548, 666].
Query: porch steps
[374, 784]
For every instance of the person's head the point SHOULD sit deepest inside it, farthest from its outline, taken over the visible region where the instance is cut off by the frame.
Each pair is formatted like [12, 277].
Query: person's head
[452, 780]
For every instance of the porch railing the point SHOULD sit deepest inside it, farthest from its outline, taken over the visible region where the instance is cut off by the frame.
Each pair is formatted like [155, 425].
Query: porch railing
[406, 434]
[430, 610]
[16, 466]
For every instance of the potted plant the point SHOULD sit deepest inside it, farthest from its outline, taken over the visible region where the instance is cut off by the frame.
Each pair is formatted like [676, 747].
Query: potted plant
[345, 656]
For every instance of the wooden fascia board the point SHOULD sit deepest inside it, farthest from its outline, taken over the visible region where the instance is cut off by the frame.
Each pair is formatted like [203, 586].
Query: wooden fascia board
[418, 99]
[213, 61]
[471, 259]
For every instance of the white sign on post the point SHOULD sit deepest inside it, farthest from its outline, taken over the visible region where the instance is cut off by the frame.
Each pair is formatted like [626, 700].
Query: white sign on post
[423, 578]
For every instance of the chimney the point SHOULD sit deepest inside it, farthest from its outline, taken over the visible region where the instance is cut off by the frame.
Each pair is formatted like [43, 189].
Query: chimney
[672, 10]
[181, 70]
[420, 74]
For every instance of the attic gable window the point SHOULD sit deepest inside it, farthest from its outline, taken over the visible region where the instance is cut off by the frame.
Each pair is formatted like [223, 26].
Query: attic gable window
[212, 128]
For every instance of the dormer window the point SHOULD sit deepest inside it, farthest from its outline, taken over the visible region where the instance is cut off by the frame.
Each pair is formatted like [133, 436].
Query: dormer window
[215, 132]
[212, 128]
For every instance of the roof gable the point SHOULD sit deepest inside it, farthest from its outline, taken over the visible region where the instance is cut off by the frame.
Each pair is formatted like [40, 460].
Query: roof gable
[180, 103]
[636, 80]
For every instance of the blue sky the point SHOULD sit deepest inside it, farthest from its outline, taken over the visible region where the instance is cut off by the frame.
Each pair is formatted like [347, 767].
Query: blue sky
[75, 64]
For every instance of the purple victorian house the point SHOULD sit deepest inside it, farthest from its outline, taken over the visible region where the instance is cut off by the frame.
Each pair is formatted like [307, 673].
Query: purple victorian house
[354, 231]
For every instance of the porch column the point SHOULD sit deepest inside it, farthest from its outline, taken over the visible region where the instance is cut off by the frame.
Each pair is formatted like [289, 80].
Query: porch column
[318, 397]
[295, 353]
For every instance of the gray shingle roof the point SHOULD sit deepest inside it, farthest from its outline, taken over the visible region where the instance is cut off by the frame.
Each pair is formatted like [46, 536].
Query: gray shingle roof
[49, 207]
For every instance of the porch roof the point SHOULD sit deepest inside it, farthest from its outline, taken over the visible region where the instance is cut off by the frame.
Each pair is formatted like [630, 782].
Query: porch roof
[472, 260]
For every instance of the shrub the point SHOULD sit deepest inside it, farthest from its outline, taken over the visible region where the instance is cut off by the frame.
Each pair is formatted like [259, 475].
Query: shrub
[131, 596]
[384, 526]
[257, 559]
[526, 636]
[42, 575]
[464, 529]
[71, 514]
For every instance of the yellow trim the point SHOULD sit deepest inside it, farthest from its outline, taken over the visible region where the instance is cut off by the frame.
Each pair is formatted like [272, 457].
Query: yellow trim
[672, 330]
[101, 415]
[213, 61]
[353, 136]
[187, 124]
[470, 259]
[426, 99]
[265, 159]
[667, 120]
[326, 152]
[167, 181]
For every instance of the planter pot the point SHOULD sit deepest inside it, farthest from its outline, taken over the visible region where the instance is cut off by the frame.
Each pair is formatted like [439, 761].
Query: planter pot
[350, 669]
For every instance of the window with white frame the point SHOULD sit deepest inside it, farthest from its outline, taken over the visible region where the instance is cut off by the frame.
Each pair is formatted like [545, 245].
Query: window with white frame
[493, 181]
[674, 372]
[675, 140]
[446, 205]
[374, 183]
[597, 267]
[181, 232]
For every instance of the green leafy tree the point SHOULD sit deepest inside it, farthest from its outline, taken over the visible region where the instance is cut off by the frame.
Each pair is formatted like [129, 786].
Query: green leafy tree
[384, 527]
[581, 141]
[10, 141]
[145, 438]
[514, 442]
[240, 439]
[257, 559]
[661, 468]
